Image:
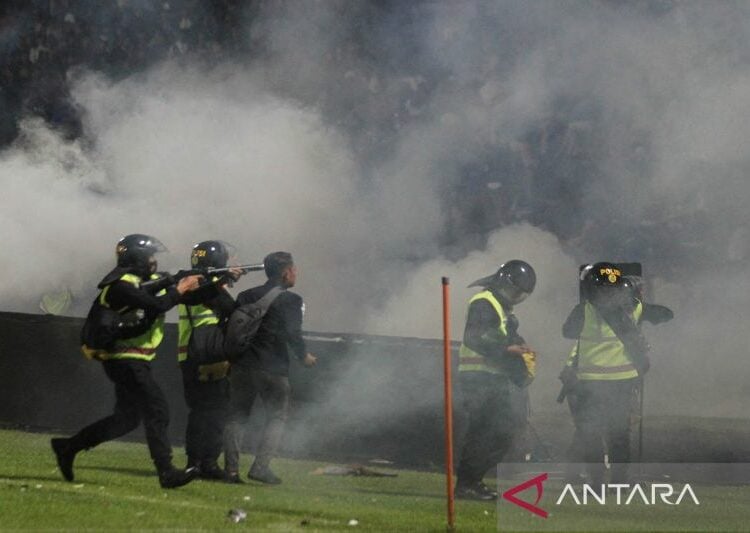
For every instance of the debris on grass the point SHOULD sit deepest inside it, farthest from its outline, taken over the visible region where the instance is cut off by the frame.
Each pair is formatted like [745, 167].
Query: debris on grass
[380, 462]
[349, 470]
[236, 515]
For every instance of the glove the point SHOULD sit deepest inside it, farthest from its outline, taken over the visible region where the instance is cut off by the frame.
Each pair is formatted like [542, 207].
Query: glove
[529, 359]
[521, 368]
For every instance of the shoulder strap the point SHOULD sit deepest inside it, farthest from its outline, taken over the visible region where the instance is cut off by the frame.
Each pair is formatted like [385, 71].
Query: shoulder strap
[268, 298]
[626, 330]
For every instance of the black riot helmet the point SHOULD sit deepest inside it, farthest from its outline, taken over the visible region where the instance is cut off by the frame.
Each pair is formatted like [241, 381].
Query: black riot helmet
[603, 283]
[136, 252]
[211, 254]
[604, 275]
[513, 281]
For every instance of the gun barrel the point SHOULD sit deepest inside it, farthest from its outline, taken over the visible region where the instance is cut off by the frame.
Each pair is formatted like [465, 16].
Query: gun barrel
[165, 280]
[245, 268]
[257, 267]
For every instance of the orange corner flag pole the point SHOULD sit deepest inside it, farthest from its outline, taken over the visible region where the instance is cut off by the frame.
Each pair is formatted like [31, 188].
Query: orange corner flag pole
[448, 403]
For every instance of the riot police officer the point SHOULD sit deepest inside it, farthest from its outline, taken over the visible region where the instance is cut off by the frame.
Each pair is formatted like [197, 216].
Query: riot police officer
[204, 364]
[127, 363]
[492, 358]
[603, 369]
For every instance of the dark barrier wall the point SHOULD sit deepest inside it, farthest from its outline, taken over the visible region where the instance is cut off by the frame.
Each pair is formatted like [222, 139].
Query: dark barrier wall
[368, 397]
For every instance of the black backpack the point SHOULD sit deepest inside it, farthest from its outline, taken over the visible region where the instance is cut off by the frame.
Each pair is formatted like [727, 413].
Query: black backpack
[244, 323]
[100, 330]
[104, 326]
[206, 343]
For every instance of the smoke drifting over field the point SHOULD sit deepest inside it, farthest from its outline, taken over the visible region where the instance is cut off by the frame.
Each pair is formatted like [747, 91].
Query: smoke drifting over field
[343, 137]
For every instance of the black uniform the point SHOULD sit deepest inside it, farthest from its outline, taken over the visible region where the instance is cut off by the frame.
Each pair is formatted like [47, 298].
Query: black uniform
[264, 370]
[204, 374]
[488, 416]
[138, 396]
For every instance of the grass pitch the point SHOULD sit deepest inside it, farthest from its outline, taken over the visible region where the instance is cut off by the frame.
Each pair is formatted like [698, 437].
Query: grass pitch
[116, 489]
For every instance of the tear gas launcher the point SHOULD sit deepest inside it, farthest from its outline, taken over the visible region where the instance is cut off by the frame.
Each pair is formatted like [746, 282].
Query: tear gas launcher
[166, 279]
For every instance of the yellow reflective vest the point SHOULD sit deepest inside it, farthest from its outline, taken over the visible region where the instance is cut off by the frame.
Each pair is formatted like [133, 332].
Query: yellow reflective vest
[471, 361]
[602, 355]
[191, 317]
[142, 347]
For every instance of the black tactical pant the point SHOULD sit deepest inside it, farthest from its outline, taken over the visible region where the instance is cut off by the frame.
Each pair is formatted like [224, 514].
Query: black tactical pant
[246, 384]
[601, 412]
[489, 422]
[208, 406]
[138, 397]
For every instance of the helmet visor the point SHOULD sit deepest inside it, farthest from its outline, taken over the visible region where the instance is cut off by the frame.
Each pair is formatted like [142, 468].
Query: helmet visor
[513, 295]
[153, 244]
[231, 252]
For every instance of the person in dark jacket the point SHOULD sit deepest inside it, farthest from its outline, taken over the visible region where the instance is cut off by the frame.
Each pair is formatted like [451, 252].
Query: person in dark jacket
[263, 370]
[203, 362]
[128, 363]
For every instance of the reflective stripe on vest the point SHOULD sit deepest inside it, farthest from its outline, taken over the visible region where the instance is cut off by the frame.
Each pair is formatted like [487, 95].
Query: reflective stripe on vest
[144, 346]
[602, 354]
[201, 316]
[468, 359]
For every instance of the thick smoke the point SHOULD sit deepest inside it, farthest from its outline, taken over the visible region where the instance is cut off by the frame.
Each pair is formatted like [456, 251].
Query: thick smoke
[346, 136]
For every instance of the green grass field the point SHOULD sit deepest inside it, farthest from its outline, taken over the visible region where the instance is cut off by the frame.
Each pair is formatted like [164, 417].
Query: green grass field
[116, 488]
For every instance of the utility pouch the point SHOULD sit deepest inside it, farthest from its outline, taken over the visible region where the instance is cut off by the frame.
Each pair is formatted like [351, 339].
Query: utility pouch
[213, 372]
[569, 377]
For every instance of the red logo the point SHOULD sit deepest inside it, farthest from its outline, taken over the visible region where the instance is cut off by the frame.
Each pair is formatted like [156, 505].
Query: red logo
[538, 483]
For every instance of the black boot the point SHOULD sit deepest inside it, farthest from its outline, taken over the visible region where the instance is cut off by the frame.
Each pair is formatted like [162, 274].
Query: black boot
[210, 470]
[475, 491]
[233, 478]
[65, 455]
[171, 477]
[262, 473]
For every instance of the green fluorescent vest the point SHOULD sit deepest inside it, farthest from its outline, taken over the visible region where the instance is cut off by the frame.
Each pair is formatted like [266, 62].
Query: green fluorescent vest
[201, 316]
[471, 361]
[144, 346]
[602, 355]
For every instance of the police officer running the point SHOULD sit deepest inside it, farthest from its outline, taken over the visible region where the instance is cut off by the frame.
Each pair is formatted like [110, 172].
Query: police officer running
[204, 364]
[492, 356]
[128, 363]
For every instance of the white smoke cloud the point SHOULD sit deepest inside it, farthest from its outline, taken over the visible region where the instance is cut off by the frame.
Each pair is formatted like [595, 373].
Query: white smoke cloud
[252, 153]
